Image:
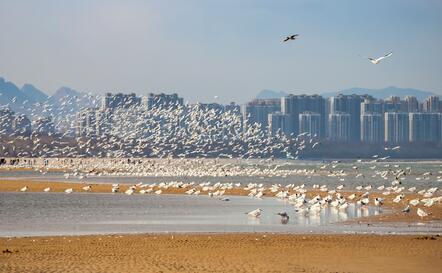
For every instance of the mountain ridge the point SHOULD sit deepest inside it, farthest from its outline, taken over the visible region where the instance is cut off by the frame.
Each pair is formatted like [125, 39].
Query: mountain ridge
[381, 93]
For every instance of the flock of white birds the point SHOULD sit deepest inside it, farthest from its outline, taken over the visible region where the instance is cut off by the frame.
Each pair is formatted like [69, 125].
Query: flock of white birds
[195, 131]
[190, 131]
[175, 130]
[306, 200]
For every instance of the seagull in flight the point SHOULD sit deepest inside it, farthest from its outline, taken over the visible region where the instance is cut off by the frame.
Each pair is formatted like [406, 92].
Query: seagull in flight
[378, 60]
[291, 37]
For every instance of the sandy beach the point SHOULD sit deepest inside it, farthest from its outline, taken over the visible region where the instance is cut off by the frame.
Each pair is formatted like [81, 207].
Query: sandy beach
[222, 253]
[229, 252]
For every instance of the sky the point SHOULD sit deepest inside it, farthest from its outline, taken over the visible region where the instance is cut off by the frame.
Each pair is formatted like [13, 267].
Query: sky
[231, 49]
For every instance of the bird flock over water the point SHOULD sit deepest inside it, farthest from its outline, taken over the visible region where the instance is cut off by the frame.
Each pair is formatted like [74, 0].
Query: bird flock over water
[306, 198]
[193, 131]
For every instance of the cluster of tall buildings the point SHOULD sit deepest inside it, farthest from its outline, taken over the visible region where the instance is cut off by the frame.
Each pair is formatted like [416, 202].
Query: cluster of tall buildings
[19, 124]
[341, 118]
[350, 118]
[104, 120]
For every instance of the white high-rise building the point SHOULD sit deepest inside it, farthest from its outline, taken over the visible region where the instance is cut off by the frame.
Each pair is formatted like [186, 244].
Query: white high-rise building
[425, 127]
[279, 122]
[310, 123]
[86, 122]
[372, 128]
[339, 127]
[396, 127]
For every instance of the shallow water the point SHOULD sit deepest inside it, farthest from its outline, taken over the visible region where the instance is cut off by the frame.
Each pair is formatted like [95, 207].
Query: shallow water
[34, 214]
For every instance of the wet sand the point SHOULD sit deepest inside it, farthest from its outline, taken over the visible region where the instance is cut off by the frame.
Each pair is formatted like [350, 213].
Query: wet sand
[395, 215]
[222, 253]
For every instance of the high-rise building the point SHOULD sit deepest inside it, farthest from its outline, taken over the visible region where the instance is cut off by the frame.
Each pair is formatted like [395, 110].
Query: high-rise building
[87, 122]
[279, 123]
[257, 111]
[293, 105]
[339, 127]
[311, 123]
[432, 105]
[350, 104]
[396, 127]
[372, 128]
[440, 127]
[394, 104]
[162, 101]
[412, 105]
[371, 105]
[119, 100]
[424, 127]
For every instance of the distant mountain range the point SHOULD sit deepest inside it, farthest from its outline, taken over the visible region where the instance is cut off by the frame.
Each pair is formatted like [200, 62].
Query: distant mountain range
[270, 94]
[33, 102]
[377, 93]
[23, 99]
[62, 106]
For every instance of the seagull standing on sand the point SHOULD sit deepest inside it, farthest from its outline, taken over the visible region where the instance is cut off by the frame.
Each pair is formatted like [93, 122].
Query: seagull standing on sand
[378, 60]
[255, 213]
[422, 213]
[291, 37]
[378, 201]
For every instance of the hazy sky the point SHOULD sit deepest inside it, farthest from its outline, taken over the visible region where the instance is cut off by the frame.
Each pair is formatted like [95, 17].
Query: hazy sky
[230, 49]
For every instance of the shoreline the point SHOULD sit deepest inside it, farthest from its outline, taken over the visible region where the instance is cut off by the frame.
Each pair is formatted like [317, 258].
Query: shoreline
[395, 214]
[258, 252]
[167, 252]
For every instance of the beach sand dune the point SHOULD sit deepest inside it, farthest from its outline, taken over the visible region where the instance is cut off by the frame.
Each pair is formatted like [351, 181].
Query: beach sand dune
[222, 253]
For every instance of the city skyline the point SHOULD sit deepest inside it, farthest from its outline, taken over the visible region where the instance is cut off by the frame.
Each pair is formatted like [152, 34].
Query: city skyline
[341, 118]
[126, 46]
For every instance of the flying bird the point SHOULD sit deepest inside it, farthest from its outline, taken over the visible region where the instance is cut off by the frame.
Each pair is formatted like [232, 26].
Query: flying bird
[378, 60]
[291, 37]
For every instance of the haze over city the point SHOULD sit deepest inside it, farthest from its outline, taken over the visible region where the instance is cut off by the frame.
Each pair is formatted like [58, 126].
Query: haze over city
[228, 49]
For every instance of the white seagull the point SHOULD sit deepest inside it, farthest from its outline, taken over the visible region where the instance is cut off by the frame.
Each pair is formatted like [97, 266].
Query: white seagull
[407, 209]
[255, 213]
[422, 213]
[378, 60]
